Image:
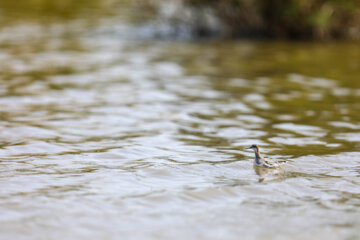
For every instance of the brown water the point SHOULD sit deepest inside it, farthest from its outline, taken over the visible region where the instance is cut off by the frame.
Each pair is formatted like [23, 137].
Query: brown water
[105, 135]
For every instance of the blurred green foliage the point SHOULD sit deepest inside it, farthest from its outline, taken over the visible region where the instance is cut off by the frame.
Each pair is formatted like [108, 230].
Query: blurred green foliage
[44, 8]
[314, 19]
[57, 10]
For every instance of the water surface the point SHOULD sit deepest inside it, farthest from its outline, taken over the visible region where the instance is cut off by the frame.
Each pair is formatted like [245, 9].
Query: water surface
[105, 134]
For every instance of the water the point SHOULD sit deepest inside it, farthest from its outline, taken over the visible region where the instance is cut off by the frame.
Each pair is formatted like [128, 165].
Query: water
[105, 135]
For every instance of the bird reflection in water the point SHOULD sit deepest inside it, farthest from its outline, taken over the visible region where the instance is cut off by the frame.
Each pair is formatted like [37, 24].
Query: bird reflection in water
[263, 172]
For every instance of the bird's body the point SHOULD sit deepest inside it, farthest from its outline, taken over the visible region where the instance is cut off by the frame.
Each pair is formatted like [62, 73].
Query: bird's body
[262, 162]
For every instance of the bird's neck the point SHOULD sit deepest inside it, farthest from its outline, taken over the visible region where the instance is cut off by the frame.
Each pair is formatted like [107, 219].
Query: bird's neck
[257, 154]
[257, 157]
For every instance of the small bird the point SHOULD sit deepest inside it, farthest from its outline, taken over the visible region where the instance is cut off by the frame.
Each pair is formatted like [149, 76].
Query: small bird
[262, 162]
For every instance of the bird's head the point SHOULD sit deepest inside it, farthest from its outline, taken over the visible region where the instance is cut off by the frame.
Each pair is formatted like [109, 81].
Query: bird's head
[254, 147]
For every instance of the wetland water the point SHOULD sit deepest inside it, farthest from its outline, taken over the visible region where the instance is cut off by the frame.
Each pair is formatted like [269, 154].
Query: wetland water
[106, 135]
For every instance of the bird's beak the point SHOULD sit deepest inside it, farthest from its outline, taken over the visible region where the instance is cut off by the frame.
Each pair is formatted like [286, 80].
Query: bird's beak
[248, 148]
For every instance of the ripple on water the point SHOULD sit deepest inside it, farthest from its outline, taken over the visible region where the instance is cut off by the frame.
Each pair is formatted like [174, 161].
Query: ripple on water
[297, 141]
[307, 130]
[345, 125]
[349, 137]
[312, 82]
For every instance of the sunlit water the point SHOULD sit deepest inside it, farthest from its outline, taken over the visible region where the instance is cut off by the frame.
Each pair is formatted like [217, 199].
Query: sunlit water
[107, 136]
